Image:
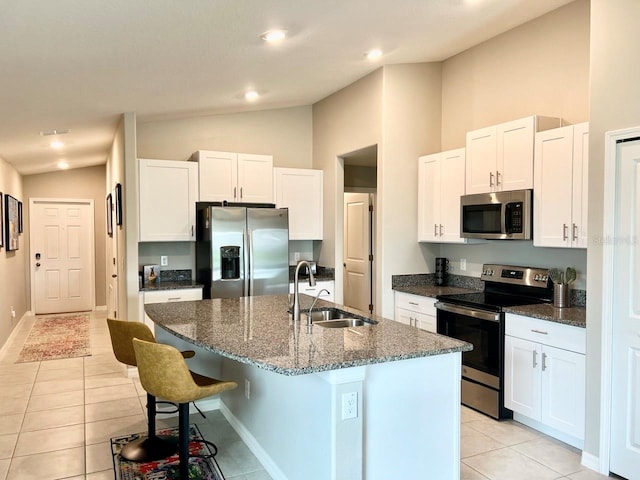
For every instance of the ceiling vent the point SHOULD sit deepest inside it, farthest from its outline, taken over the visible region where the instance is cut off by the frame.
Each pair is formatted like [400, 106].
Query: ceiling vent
[45, 133]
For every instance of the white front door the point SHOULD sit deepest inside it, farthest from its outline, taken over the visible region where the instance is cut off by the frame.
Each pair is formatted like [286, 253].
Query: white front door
[62, 246]
[625, 395]
[357, 248]
[112, 274]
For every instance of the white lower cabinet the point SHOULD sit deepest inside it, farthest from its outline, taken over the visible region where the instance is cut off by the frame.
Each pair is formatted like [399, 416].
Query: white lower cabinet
[164, 296]
[303, 287]
[415, 310]
[545, 376]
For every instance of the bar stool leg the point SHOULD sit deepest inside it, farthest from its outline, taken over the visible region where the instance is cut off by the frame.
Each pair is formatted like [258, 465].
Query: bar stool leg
[151, 416]
[183, 427]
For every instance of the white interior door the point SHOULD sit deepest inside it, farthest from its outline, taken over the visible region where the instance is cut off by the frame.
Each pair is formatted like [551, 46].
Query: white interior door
[112, 274]
[625, 376]
[357, 248]
[62, 246]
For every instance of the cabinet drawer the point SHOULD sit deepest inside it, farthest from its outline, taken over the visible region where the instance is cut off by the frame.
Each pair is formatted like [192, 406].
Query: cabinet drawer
[557, 335]
[415, 303]
[303, 287]
[178, 295]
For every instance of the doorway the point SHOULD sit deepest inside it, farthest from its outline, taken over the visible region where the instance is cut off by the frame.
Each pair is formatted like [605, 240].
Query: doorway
[358, 233]
[61, 255]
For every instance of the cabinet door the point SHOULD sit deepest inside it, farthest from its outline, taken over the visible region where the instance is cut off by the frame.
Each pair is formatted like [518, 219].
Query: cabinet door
[426, 322]
[300, 190]
[563, 390]
[514, 169]
[168, 192]
[218, 176]
[429, 198]
[580, 185]
[481, 160]
[404, 316]
[522, 376]
[255, 178]
[452, 164]
[552, 190]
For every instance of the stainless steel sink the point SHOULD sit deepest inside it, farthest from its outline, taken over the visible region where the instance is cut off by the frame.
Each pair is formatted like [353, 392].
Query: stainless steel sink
[321, 314]
[343, 323]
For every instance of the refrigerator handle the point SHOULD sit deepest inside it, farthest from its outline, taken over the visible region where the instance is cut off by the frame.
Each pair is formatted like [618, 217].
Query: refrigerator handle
[250, 273]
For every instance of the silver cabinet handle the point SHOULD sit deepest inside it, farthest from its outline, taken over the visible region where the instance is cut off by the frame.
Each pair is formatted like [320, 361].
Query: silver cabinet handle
[497, 177]
[234, 192]
[565, 231]
[574, 232]
[192, 231]
[240, 192]
[491, 179]
[544, 362]
[435, 229]
[173, 299]
[440, 230]
[542, 332]
[414, 303]
[535, 359]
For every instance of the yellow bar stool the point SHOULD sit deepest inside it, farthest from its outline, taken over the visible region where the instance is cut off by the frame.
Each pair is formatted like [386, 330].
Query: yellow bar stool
[164, 373]
[152, 447]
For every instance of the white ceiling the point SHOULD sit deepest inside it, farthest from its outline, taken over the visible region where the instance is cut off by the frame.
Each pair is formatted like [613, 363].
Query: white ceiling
[79, 64]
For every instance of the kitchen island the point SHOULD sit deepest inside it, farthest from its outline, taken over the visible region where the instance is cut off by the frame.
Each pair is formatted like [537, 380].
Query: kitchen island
[375, 402]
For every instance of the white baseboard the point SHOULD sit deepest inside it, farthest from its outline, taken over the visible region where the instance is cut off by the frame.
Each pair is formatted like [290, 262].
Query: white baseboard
[251, 442]
[14, 332]
[101, 308]
[592, 462]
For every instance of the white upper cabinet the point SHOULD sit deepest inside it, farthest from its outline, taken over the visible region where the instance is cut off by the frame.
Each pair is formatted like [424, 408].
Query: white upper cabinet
[500, 157]
[300, 190]
[168, 192]
[440, 185]
[560, 187]
[234, 177]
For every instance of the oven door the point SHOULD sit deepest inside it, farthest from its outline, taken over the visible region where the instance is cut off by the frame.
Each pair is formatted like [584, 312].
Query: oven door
[484, 330]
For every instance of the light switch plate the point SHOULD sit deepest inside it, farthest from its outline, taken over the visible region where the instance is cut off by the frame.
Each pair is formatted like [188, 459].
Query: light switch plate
[164, 260]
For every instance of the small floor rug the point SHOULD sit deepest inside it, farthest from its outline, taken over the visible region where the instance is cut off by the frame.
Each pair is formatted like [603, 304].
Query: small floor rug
[57, 337]
[168, 468]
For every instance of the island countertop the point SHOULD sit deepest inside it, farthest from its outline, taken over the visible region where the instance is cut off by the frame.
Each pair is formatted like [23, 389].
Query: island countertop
[258, 331]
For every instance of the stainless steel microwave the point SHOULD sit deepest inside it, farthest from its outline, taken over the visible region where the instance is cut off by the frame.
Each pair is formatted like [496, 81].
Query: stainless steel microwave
[498, 215]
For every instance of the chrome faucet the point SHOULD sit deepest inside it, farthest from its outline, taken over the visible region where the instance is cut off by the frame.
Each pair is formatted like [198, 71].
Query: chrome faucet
[309, 316]
[295, 308]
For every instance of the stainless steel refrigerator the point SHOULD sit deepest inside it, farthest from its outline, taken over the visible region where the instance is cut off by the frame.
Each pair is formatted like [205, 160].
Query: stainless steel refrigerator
[242, 251]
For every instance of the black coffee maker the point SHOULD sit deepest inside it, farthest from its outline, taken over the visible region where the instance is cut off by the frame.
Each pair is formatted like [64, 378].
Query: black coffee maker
[442, 265]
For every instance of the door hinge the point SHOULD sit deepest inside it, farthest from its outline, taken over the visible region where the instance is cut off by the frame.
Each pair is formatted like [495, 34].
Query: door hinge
[371, 257]
[371, 307]
[371, 208]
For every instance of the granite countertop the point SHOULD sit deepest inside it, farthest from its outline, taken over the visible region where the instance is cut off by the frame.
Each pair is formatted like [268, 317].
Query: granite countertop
[258, 331]
[432, 290]
[169, 285]
[575, 316]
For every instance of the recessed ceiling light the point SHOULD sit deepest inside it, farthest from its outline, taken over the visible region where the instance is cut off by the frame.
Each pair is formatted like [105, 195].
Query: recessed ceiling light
[374, 54]
[251, 96]
[57, 144]
[63, 165]
[274, 36]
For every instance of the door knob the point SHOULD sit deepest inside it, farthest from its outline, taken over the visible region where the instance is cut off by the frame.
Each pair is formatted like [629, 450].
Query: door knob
[113, 275]
[38, 264]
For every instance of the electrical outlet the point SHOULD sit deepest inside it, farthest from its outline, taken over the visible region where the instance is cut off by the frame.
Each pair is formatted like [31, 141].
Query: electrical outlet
[349, 405]
[247, 388]
[463, 264]
[296, 256]
[164, 260]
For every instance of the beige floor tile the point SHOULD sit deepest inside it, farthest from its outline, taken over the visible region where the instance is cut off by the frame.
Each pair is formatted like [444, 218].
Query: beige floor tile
[55, 400]
[40, 441]
[12, 406]
[554, 454]
[473, 442]
[469, 415]
[99, 457]
[114, 392]
[4, 468]
[57, 386]
[99, 358]
[73, 373]
[7, 444]
[102, 368]
[95, 412]
[507, 464]
[106, 380]
[468, 473]
[19, 373]
[10, 423]
[48, 466]
[587, 474]
[15, 391]
[63, 363]
[58, 417]
[507, 432]
[104, 430]
[104, 475]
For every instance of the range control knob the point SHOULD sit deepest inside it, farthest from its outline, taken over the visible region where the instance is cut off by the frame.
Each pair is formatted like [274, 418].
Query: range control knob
[536, 277]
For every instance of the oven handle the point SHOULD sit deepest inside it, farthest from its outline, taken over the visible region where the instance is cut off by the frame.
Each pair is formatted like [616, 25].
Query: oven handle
[481, 314]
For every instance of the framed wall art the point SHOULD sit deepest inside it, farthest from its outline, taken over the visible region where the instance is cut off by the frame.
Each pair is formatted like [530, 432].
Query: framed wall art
[118, 204]
[109, 215]
[20, 229]
[1, 222]
[11, 223]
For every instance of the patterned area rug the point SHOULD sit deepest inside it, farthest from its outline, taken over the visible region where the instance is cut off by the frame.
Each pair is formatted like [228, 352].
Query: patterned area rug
[168, 468]
[55, 337]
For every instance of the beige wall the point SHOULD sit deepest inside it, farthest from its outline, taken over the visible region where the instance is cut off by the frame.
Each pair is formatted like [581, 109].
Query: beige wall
[541, 67]
[360, 177]
[79, 183]
[284, 133]
[615, 96]
[13, 282]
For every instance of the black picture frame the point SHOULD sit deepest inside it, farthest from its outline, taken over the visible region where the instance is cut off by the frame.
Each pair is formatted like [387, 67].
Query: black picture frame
[118, 204]
[109, 214]
[20, 228]
[1, 222]
[11, 223]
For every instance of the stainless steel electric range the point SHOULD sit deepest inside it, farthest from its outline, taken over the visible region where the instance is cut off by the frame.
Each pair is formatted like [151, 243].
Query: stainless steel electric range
[478, 318]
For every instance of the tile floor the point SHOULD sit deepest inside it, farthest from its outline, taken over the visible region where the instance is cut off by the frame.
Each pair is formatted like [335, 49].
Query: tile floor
[56, 419]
